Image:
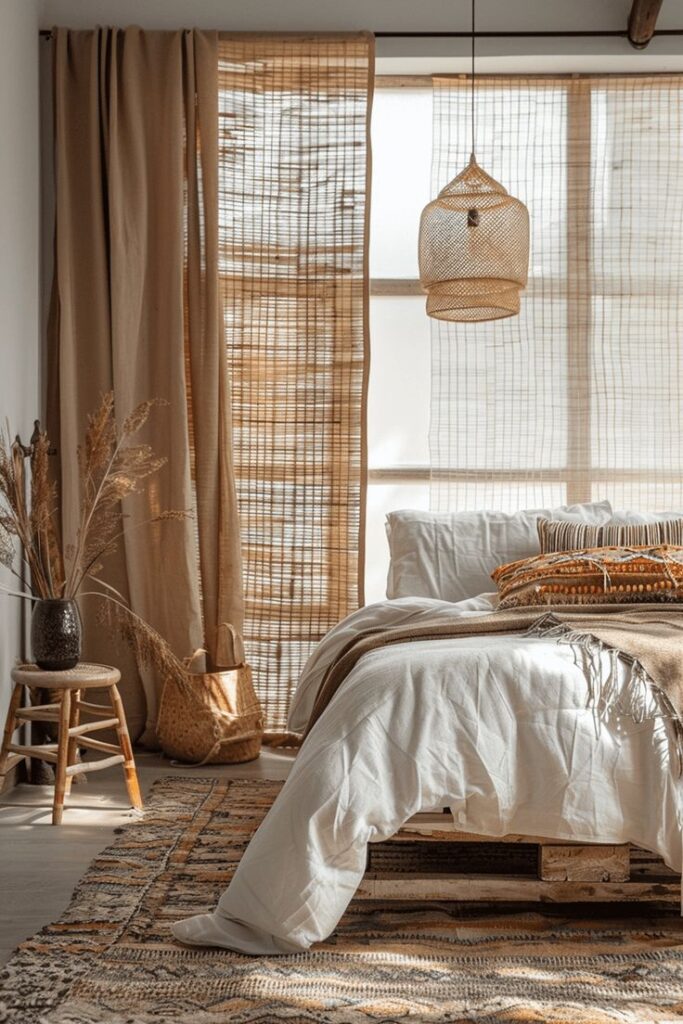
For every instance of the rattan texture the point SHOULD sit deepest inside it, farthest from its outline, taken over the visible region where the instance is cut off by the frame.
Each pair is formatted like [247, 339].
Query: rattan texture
[293, 232]
[579, 397]
[473, 249]
[212, 718]
[82, 676]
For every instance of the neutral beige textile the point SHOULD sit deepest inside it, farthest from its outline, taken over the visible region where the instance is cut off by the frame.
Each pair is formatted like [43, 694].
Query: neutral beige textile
[579, 397]
[293, 227]
[649, 635]
[136, 309]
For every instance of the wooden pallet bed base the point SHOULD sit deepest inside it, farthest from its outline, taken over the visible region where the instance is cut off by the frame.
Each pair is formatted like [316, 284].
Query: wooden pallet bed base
[567, 872]
[510, 888]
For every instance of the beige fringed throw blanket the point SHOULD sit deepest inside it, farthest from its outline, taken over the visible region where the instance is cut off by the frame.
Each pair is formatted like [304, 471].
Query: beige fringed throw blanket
[646, 637]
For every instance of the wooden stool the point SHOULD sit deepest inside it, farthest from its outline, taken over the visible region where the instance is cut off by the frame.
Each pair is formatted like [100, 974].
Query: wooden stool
[69, 687]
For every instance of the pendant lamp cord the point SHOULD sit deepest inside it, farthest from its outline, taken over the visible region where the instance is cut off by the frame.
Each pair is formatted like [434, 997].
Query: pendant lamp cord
[473, 78]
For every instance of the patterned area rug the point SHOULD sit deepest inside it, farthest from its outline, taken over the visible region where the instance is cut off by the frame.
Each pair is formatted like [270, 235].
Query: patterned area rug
[110, 957]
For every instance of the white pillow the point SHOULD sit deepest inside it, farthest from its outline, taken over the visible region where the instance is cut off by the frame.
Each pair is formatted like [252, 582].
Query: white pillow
[451, 555]
[625, 517]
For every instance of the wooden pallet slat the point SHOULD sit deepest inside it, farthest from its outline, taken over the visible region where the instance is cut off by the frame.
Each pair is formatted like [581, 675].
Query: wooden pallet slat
[439, 826]
[591, 863]
[566, 871]
[510, 888]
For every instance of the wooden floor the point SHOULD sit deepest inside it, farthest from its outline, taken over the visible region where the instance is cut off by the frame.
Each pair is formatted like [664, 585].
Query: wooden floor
[40, 863]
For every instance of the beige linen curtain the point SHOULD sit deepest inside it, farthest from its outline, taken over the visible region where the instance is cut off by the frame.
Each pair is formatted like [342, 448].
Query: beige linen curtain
[579, 397]
[294, 169]
[136, 310]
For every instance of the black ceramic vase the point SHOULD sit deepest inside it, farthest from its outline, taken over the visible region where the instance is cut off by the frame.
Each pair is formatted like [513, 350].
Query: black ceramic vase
[56, 634]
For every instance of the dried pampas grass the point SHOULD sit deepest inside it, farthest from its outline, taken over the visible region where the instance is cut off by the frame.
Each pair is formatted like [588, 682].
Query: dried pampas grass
[148, 646]
[113, 465]
[27, 524]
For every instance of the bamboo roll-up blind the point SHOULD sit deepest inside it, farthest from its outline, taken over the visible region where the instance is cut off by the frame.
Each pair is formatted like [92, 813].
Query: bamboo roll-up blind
[294, 181]
[581, 396]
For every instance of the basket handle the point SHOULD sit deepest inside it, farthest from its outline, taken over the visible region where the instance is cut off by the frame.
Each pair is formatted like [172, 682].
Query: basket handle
[216, 747]
[196, 663]
[229, 646]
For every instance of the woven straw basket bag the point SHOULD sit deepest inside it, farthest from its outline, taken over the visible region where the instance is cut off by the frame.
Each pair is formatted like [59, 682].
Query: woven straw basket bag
[211, 717]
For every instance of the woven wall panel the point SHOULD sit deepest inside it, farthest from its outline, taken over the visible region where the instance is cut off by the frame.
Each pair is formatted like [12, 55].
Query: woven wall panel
[580, 396]
[294, 164]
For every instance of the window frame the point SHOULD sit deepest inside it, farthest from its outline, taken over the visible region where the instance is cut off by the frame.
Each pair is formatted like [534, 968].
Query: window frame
[578, 473]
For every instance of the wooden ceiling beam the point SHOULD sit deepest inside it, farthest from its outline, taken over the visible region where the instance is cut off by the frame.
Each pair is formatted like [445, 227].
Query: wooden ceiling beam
[642, 22]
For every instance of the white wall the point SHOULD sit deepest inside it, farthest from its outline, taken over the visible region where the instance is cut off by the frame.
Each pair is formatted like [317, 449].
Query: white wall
[19, 257]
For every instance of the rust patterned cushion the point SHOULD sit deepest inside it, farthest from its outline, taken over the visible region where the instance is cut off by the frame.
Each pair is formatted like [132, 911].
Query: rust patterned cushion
[593, 576]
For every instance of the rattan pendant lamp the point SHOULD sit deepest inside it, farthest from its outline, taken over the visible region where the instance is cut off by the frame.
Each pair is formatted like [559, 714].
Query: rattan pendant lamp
[473, 245]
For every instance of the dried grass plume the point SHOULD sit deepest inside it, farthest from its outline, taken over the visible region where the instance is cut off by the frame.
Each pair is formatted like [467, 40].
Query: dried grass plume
[113, 465]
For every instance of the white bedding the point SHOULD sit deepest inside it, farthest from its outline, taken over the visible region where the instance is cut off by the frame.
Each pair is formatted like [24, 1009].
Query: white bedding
[495, 727]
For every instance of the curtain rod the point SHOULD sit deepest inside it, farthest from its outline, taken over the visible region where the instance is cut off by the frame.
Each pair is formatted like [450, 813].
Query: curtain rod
[596, 34]
[46, 33]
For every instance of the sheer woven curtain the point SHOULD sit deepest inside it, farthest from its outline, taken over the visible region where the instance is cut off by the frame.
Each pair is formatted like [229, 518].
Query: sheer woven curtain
[293, 233]
[580, 396]
[136, 310]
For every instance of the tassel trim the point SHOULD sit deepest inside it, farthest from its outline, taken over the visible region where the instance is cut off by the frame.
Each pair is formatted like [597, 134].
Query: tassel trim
[638, 698]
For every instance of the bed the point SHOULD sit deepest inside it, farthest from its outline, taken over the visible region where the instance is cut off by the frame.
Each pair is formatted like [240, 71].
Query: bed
[495, 728]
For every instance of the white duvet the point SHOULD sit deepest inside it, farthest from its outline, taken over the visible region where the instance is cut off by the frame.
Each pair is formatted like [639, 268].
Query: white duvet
[495, 727]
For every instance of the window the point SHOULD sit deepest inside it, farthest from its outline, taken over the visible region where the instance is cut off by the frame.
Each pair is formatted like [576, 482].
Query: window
[398, 401]
[578, 397]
